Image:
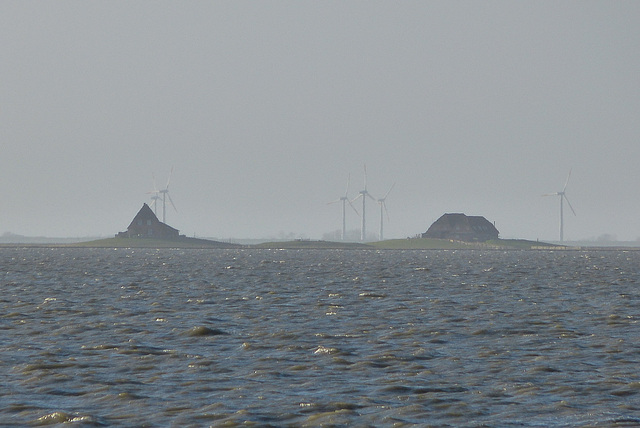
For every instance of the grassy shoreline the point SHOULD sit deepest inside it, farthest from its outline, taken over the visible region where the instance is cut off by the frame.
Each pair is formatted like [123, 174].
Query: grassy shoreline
[392, 244]
[182, 242]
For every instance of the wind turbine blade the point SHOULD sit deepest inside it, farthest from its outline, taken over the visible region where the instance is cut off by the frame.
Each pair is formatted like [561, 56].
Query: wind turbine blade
[384, 205]
[569, 203]
[348, 182]
[551, 194]
[372, 198]
[169, 179]
[365, 176]
[334, 202]
[354, 208]
[388, 191]
[356, 198]
[155, 187]
[170, 200]
[567, 182]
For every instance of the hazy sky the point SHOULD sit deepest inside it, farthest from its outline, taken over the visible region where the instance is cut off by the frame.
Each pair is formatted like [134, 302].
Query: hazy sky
[263, 109]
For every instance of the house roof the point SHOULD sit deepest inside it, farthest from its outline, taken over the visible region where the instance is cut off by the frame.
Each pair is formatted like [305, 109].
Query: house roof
[458, 219]
[146, 213]
[458, 225]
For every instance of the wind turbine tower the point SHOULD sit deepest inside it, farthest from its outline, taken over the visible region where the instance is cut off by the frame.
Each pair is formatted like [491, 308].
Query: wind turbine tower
[155, 203]
[563, 197]
[344, 199]
[364, 194]
[383, 209]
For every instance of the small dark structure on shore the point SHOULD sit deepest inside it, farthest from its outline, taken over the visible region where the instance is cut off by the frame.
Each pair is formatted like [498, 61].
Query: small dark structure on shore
[461, 227]
[146, 225]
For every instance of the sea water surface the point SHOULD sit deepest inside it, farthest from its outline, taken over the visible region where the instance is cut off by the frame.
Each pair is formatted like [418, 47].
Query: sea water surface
[139, 337]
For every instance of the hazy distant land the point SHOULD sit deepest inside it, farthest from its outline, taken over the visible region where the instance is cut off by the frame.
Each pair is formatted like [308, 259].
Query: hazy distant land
[13, 240]
[393, 244]
[414, 244]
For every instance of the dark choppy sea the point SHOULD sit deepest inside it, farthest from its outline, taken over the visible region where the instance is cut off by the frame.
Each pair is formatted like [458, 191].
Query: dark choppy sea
[137, 337]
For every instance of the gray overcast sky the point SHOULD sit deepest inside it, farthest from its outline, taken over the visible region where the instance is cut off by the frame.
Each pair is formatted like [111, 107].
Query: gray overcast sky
[265, 108]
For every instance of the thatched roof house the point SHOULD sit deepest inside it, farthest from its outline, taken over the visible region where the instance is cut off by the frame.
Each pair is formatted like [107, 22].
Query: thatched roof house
[146, 225]
[461, 227]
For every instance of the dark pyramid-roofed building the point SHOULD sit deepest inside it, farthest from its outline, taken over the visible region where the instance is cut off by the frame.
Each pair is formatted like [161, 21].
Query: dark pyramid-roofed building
[461, 227]
[146, 225]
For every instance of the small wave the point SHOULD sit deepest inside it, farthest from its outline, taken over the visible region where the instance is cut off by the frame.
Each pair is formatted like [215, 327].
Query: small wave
[373, 295]
[63, 417]
[325, 350]
[201, 330]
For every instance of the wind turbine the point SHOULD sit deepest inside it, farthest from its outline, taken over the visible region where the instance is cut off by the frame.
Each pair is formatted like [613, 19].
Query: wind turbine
[383, 209]
[563, 197]
[155, 192]
[364, 194]
[165, 195]
[344, 199]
